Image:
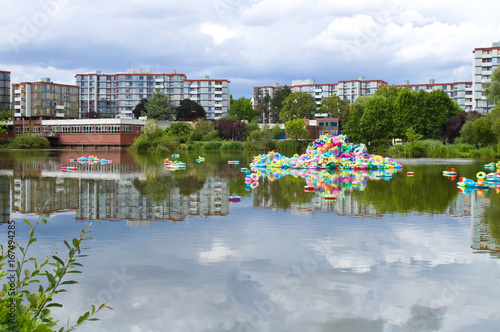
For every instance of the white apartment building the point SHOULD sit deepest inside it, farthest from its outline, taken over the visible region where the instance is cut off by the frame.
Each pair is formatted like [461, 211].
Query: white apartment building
[117, 95]
[486, 59]
[44, 100]
[461, 92]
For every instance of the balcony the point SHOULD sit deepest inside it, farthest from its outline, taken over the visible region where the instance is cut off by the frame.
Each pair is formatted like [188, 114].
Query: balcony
[59, 107]
[60, 115]
[18, 115]
[17, 99]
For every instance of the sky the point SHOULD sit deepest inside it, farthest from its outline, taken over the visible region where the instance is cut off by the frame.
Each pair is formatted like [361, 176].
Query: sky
[251, 43]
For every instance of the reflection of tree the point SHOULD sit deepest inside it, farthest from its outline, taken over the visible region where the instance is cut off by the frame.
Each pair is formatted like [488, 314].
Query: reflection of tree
[284, 192]
[404, 194]
[491, 217]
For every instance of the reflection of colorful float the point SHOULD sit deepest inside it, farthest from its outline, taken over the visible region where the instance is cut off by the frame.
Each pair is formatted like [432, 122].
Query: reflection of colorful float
[200, 159]
[327, 152]
[66, 168]
[329, 184]
[451, 172]
[91, 160]
[173, 165]
[234, 199]
[481, 185]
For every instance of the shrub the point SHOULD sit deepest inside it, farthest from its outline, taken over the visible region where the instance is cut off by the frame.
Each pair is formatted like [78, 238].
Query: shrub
[29, 141]
[232, 146]
[212, 145]
[31, 310]
[291, 145]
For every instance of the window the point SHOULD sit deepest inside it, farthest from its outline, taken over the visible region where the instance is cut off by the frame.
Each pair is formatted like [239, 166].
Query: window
[100, 129]
[138, 129]
[76, 129]
[321, 124]
[114, 129]
[88, 129]
[65, 129]
[18, 130]
[126, 129]
[333, 124]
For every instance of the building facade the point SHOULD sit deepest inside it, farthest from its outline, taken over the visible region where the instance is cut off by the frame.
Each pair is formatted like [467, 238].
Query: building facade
[83, 133]
[348, 91]
[44, 100]
[486, 59]
[117, 95]
[4, 90]
[461, 92]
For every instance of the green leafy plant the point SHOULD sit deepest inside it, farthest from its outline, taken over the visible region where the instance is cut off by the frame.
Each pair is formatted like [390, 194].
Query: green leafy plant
[25, 310]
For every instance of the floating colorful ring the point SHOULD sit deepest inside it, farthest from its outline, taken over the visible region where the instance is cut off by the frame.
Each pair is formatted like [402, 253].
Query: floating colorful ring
[254, 177]
[481, 175]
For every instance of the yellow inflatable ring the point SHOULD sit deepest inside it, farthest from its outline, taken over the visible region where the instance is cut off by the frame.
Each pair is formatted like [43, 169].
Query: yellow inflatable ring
[481, 175]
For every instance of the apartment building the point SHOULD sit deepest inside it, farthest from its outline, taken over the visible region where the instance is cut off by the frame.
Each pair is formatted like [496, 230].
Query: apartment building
[4, 90]
[44, 100]
[346, 90]
[486, 59]
[461, 92]
[116, 95]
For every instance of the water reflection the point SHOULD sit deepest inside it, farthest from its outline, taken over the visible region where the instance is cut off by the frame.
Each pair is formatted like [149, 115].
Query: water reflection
[140, 190]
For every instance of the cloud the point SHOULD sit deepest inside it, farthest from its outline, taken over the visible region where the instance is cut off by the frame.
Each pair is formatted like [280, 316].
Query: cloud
[263, 41]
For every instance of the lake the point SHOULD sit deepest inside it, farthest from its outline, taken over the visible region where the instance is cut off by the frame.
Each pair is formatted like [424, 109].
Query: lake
[359, 253]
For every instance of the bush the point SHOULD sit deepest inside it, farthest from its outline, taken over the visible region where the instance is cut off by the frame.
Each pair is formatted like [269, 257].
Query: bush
[196, 146]
[155, 143]
[23, 305]
[232, 146]
[291, 145]
[29, 141]
[212, 145]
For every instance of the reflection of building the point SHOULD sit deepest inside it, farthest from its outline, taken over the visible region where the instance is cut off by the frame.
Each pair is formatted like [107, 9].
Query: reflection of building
[121, 200]
[5, 199]
[50, 194]
[481, 238]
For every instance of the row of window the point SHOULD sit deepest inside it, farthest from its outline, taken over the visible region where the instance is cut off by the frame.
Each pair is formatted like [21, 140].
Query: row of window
[325, 123]
[89, 129]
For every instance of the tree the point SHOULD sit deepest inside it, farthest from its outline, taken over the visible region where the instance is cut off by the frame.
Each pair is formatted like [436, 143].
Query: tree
[334, 106]
[277, 132]
[140, 109]
[4, 118]
[277, 102]
[456, 122]
[296, 129]
[190, 110]
[230, 129]
[158, 106]
[179, 129]
[376, 122]
[492, 89]
[242, 109]
[351, 127]
[202, 130]
[298, 105]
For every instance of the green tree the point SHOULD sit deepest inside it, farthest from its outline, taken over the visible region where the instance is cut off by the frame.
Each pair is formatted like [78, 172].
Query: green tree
[334, 107]
[351, 126]
[492, 89]
[376, 122]
[277, 132]
[158, 106]
[483, 133]
[140, 109]
[277, 102]
[5, 116]
[298, 105]
[203, 130]
[296, 129]
[242, 109]
[179, 129]
[190, 110]
[440, 109]
[407, 112]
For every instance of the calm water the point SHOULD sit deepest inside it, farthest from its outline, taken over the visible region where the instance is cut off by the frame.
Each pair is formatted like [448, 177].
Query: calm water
[393, 254]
